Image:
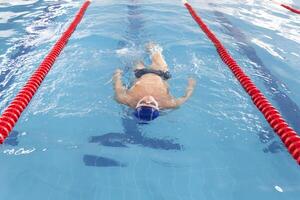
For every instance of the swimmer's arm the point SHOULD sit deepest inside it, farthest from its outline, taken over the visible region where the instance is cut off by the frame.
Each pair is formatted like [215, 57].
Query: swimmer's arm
[174, 103]
[120, 90]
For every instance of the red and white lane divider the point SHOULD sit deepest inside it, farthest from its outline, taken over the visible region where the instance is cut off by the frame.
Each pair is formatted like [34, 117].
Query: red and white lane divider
[12, 113]
[287, 134]
[294, 10]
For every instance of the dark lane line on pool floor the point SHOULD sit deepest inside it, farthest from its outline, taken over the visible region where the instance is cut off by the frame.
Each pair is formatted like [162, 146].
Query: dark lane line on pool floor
[99, 161]
[133, 135]
[287, 106]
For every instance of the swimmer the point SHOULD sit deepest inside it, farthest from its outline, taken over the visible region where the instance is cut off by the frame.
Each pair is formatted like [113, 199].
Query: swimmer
[149, 93]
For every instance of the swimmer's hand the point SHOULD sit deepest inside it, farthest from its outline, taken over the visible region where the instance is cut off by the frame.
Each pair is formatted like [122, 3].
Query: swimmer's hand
[174, 103]
[117, 78]
[190, 87]
[118, 73]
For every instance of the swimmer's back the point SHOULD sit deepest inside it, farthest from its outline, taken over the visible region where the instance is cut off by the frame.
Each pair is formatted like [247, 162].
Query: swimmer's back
[149, 84]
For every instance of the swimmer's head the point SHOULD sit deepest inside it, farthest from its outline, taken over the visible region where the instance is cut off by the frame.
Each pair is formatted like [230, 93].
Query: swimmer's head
[147, 109]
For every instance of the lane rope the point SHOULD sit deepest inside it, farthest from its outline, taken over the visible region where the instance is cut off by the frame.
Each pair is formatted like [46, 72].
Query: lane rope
[13, 112]
[294, 10]
[287, 134]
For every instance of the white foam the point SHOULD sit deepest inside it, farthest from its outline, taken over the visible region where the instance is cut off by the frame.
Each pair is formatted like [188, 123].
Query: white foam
[123, 51]
[268, 47]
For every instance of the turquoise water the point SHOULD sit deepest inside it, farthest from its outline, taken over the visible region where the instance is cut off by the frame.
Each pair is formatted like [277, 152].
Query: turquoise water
[75, 142]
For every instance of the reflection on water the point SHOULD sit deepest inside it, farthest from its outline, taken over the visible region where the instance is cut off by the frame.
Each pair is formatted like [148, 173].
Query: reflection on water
[21, 47]
[7, 3]
[101, 152]
[288, 107]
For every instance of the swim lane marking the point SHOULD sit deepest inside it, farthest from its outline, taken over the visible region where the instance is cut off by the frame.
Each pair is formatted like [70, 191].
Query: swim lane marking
[290, 8]
[287, 134]
[13, 112]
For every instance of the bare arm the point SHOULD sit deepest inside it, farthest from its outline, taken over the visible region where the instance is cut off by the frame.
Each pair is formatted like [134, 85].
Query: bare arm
[120, 90]
[174, 103]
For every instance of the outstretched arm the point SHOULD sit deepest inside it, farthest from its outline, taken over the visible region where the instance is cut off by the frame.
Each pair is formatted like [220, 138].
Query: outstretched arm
[120, 90]
[174, 103]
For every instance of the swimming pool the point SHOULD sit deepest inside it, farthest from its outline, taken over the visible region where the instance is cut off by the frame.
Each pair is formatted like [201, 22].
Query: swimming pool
[75, 142]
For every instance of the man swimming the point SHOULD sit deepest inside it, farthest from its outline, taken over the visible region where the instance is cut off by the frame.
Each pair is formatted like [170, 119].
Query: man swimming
[150, 91]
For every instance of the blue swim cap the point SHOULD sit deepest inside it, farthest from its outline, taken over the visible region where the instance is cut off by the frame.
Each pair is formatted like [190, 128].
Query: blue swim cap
[146, 113]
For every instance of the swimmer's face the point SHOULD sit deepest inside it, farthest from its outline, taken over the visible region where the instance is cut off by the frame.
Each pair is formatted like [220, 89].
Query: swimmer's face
[148, 101]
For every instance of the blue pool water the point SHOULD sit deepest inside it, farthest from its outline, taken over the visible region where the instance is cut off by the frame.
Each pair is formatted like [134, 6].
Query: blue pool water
[75, 142]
